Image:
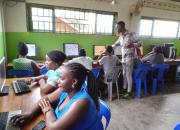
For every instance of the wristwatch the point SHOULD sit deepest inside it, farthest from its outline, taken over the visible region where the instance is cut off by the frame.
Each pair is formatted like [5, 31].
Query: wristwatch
[46, 109]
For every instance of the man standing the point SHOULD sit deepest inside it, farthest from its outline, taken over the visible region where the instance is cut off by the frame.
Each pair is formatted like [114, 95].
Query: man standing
[128, 42]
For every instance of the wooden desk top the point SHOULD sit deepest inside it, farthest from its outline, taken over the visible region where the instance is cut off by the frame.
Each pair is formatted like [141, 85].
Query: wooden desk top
[22, 102]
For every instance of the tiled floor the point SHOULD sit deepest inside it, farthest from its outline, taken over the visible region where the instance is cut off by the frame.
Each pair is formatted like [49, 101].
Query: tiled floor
[159, 112]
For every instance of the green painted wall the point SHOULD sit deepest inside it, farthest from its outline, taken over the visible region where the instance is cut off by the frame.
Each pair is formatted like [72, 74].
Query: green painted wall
[49, 41]
[1, 45]
[148, 41]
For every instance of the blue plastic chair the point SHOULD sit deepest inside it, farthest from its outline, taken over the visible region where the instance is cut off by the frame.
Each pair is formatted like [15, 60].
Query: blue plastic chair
[158, 72]
[20, 73]
[139, 77]
[96, 72]
[104, 111]
[43, 70]
[177, 127]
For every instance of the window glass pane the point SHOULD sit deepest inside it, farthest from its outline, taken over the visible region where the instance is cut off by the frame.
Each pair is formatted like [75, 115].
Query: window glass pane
[77, 14]
[35, 25]
[34, 11]
[145, 27]
[46, 12]
[104, 23]
[179, 31]
[41, 26]
[40, 12]
[81, 15]
[47, 25]
[165, 28]
[60, 13]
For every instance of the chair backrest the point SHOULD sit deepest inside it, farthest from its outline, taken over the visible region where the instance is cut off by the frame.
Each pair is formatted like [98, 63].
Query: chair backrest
[141, 71]
[159, 70]
[96, 72]
[113, 76]
[104, 111]
[43, 70]
[20, 73]
[177, 127]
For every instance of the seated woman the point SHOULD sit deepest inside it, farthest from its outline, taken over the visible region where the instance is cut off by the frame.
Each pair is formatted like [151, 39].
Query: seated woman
[155, 56]
[76, 108]
[23, 63]
[47, 82]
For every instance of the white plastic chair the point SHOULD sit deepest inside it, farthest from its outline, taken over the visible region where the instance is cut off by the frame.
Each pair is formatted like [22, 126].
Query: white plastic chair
[111, 78]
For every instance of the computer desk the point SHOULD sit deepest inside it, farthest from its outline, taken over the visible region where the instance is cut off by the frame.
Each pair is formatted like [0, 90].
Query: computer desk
[23, 102]
[171, 74]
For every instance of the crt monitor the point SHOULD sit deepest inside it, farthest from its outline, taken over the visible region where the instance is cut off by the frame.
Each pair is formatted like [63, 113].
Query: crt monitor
[98, 49]
[31, 50]
[2, 72]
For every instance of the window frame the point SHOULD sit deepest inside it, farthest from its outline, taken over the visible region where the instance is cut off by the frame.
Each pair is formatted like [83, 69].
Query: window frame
[30, 21]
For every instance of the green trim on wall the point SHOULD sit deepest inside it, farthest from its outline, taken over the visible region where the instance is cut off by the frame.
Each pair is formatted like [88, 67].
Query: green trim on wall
[49, 41]
[1, 45]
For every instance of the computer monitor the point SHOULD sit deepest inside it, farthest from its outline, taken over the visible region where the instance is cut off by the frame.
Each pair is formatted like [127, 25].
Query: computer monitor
[71, 49]
[99, 49]
[2, 72]
[31, 50]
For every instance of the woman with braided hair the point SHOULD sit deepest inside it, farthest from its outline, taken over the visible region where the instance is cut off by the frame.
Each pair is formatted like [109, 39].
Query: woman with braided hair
[76, 106]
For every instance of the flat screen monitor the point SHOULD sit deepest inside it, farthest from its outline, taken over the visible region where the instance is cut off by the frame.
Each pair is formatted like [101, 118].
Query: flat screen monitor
[31, 50]
[71, 49]
[2, 72]
[99, 49]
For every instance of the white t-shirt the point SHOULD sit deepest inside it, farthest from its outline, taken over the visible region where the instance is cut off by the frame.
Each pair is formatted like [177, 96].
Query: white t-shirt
[108, 63]
[83, 60]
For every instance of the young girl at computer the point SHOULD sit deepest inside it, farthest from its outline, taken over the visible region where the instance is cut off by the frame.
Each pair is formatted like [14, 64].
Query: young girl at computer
[76, 107]
[47, 82]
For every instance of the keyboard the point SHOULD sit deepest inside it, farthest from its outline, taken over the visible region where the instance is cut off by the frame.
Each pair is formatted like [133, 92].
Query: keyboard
[4, 90]
[20, 86]
[5, 120]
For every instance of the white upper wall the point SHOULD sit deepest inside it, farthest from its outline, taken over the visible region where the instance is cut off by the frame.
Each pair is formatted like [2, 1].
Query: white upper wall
[1, 18]
[15, 17]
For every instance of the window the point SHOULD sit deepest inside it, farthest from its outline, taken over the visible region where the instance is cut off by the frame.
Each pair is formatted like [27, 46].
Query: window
[146, 27]
[179, 31]
[70, 20]
[104, 23]
[165, 28]
[159, 28]
[41, 19]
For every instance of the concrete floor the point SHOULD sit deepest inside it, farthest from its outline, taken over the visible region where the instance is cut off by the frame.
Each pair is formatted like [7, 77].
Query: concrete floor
[159, 112]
